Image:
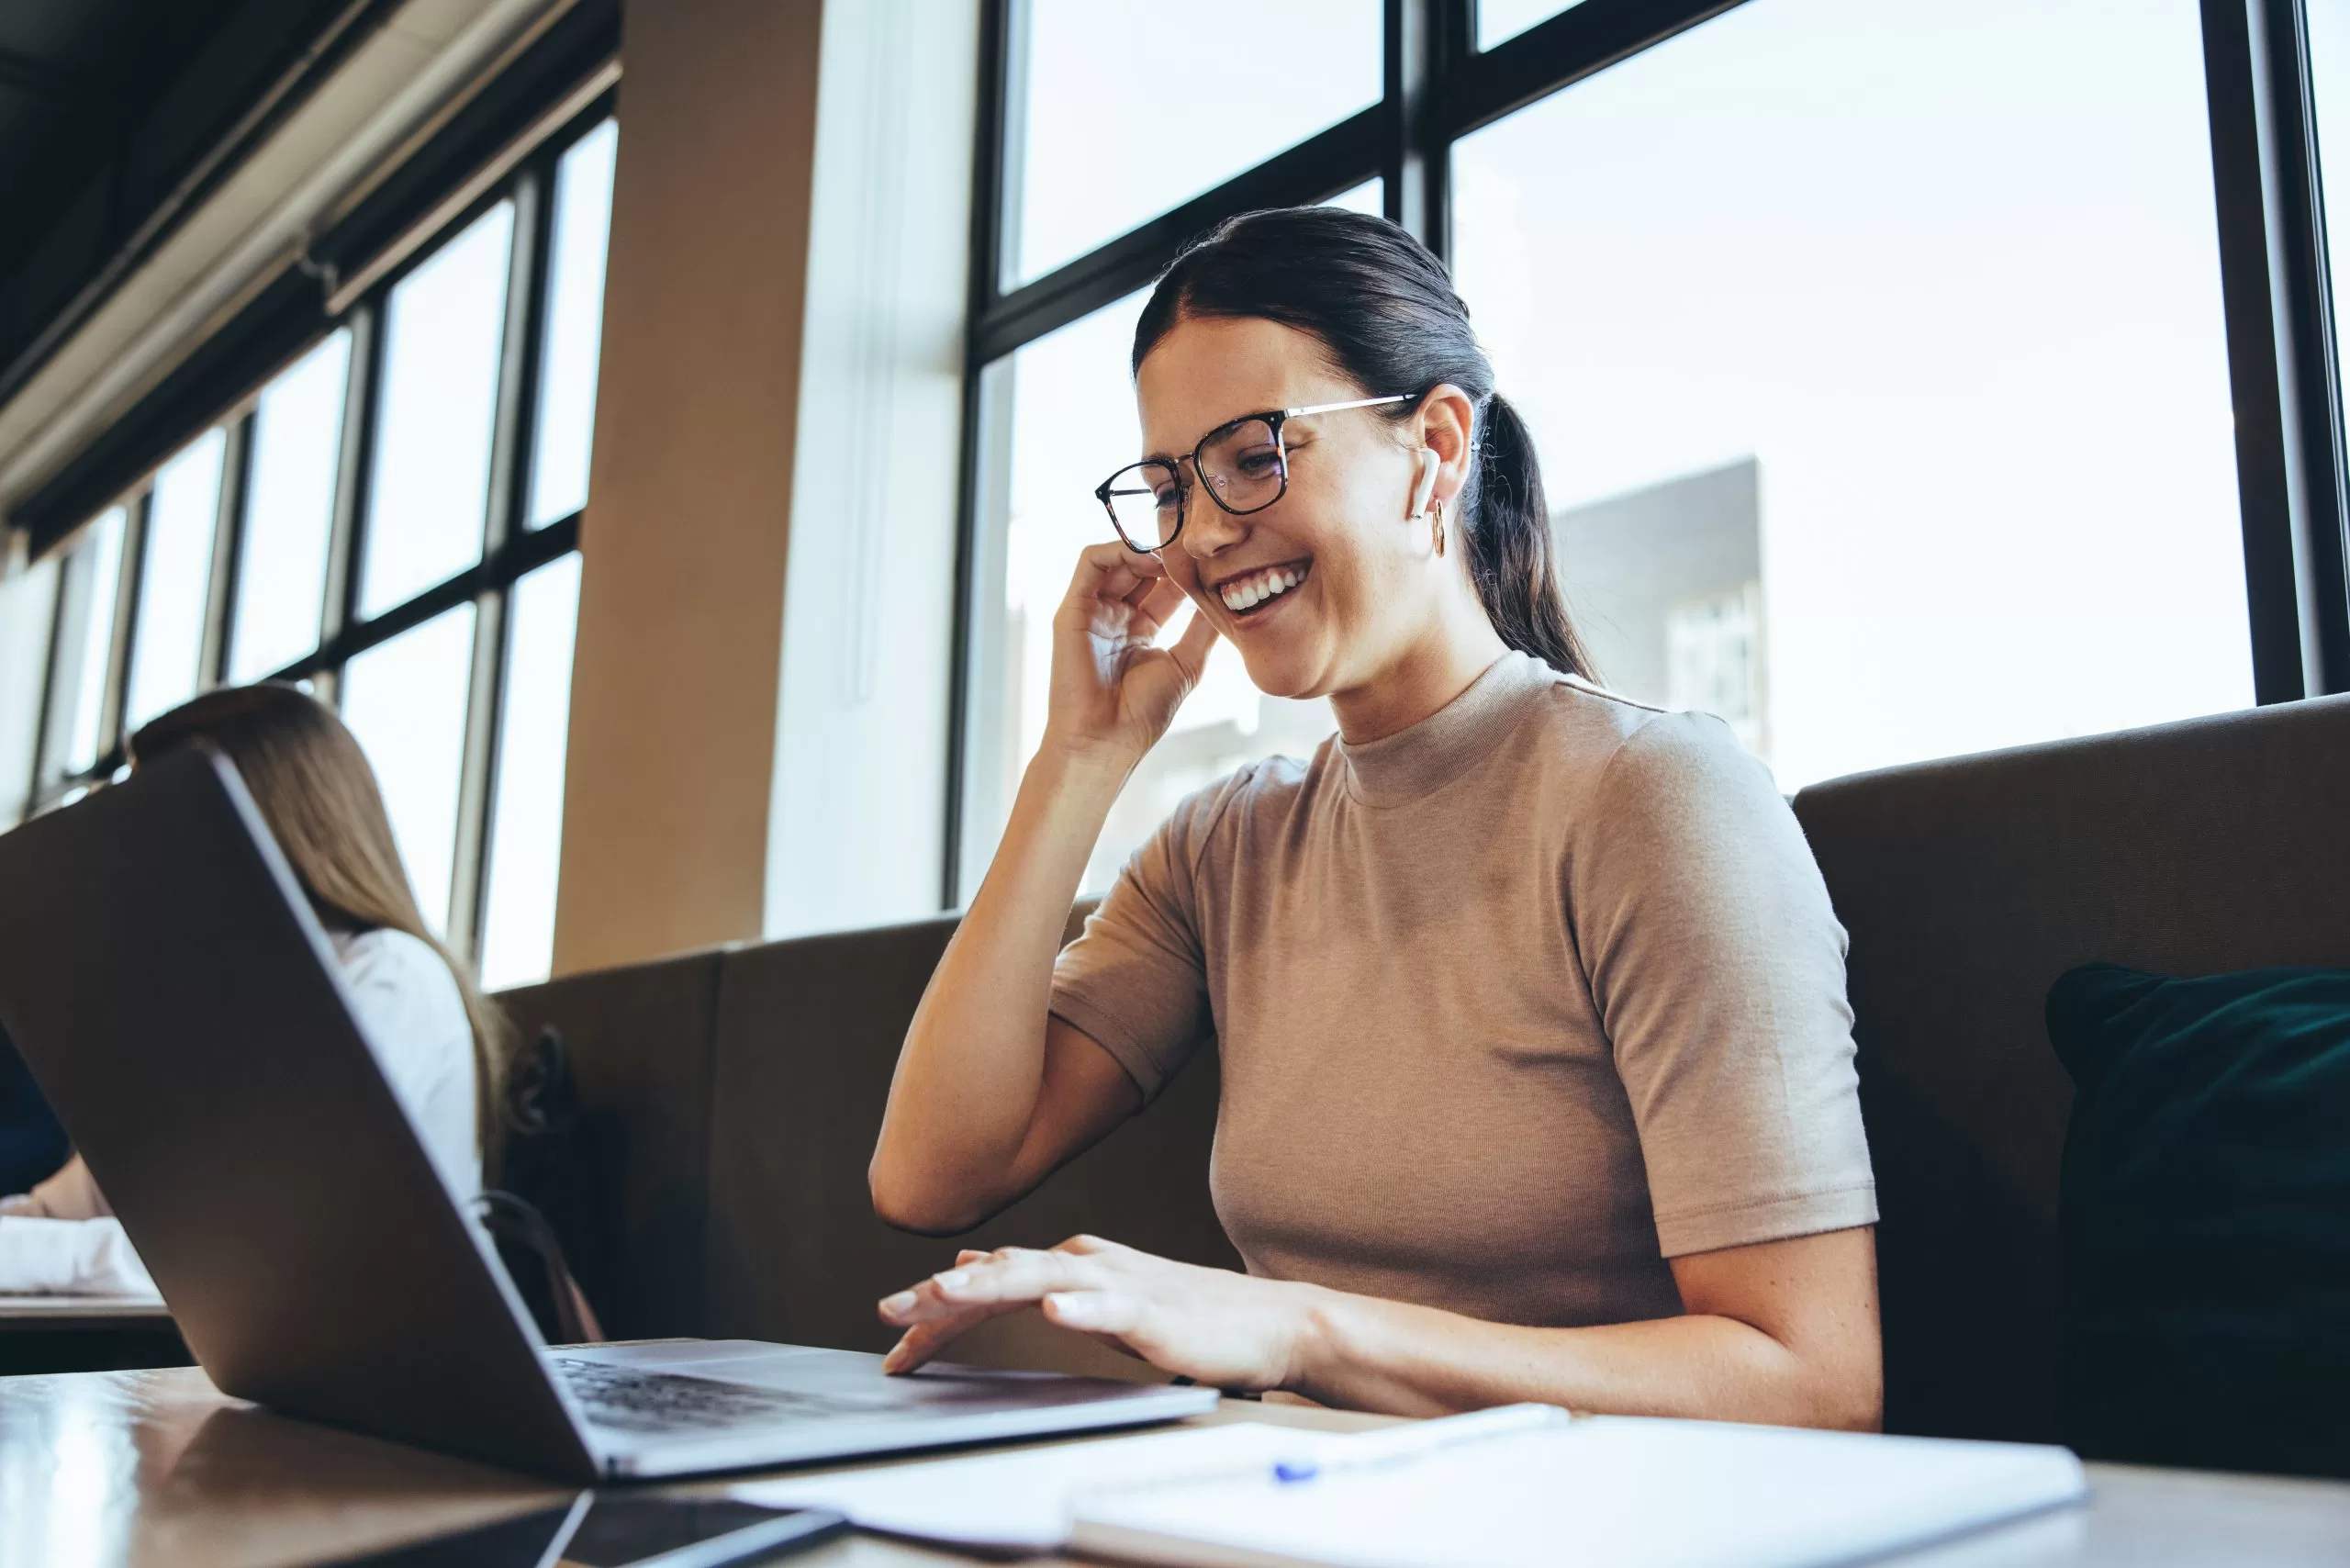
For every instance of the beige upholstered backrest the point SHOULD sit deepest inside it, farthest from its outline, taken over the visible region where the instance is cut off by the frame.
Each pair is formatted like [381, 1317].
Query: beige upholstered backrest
[731, 1101]
[734, 1096]
[1968, 886]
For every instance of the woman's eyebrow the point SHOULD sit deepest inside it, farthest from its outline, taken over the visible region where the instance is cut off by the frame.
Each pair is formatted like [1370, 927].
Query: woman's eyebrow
[1171, 458]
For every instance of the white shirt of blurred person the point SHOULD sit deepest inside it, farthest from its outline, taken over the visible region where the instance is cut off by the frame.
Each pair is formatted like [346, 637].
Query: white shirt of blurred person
[434, 1035]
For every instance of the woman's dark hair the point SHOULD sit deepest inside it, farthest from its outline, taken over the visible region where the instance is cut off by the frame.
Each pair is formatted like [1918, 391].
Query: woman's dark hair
[1383, 308]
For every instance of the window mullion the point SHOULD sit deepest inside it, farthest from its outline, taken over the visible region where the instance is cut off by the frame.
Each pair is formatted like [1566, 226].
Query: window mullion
[1482, 87]
[993, 181]
[2280, 356]
[510, 479]
[1003, 143]
[1415, 181]
[347, 531]
[2316, 388]
[478, 769]
[129, 583]
[45, 737]
[227, 550]
[519, 368]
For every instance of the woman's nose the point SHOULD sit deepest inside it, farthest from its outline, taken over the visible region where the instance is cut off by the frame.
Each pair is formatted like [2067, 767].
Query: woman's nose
[1210, 529]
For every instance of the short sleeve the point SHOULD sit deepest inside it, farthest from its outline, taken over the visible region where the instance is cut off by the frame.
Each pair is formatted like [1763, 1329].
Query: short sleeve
[1136, 980]
[1717, 965]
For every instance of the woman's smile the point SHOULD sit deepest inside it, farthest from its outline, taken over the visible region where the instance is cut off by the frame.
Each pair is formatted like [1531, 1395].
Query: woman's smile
[1249, 596]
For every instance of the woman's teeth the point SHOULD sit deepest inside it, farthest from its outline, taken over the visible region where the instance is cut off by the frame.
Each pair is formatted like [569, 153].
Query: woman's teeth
[1247, 593]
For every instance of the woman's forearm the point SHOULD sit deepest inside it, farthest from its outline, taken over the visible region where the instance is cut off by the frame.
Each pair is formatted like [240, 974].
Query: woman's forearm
[70, 1193]
[973, 1068]
[1778, 1331]
[1366, 1354]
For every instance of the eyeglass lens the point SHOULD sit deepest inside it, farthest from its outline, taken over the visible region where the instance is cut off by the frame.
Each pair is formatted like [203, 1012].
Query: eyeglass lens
[1145, 502]
[1240, 463]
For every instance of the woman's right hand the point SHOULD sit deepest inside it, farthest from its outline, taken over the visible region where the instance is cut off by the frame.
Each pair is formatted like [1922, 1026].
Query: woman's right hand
[1114, 691]
[992, 1091]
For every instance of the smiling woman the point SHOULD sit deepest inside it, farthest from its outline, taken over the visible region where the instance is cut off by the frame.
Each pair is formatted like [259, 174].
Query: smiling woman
[1537, 1069]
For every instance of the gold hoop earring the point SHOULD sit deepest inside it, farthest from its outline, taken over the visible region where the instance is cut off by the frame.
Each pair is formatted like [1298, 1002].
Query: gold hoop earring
[1435, 529]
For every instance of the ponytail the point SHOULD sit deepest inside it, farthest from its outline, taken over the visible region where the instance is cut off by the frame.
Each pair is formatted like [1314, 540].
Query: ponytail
[1506, 527]
[1383, 307]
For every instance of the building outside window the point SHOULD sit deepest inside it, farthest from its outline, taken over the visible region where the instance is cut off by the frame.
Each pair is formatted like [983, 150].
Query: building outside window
[391, 520]
[1876, 354]
[1947, 275]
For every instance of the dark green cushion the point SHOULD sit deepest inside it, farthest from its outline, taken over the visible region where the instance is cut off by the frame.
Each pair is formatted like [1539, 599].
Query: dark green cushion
[2205, 1218]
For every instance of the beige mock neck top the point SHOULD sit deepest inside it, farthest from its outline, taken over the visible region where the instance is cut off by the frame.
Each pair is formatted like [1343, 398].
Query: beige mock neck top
[1512, 1005]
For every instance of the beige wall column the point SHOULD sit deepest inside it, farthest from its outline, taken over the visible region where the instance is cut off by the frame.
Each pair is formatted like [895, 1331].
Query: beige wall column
[675, 678]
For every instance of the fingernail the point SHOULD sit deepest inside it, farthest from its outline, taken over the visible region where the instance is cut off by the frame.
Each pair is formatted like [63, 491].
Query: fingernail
[902, 1302]
[953, 1279]
[1071, 1309]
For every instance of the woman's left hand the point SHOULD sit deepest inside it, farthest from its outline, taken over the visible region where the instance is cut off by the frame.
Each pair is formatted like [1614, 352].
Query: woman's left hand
[1213, 1325]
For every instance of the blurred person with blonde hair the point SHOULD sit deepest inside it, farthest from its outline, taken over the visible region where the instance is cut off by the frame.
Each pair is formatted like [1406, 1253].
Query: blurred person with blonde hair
[440, 1041]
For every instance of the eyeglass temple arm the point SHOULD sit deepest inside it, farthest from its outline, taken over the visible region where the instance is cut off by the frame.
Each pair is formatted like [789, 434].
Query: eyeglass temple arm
[1336, 407]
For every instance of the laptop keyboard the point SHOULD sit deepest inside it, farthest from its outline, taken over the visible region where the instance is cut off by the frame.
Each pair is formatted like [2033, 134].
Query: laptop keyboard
[627, 1400]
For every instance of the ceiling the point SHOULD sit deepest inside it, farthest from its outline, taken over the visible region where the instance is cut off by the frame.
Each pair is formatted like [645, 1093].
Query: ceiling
[75, 77]
[105, 105]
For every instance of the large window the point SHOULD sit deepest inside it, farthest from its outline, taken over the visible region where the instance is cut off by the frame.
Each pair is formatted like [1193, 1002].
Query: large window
[1093, 83]
[1934, 420]
[392, 519]
[1879, 354]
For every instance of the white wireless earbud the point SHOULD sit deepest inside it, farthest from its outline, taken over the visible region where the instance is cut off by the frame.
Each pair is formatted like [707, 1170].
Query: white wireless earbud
[1429, 464]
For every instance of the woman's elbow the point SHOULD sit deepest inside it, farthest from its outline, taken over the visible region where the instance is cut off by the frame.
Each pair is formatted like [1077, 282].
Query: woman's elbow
[1867, 1412]
[903, 1200]
[1848, 1393]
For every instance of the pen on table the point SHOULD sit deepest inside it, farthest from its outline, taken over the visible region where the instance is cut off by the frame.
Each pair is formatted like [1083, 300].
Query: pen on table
[1419, 1437]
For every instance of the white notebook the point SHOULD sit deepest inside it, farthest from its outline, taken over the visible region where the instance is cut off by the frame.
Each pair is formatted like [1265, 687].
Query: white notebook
[1597, 1492]
[1019, 1500]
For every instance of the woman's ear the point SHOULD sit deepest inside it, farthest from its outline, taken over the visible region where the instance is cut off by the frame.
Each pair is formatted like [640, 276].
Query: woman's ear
[1447, 428]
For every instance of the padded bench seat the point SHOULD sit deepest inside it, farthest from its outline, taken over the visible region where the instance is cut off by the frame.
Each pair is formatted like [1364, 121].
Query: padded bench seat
[733, 1096]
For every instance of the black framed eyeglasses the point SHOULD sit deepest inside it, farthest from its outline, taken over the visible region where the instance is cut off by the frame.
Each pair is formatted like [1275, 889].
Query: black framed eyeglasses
[1242, 463]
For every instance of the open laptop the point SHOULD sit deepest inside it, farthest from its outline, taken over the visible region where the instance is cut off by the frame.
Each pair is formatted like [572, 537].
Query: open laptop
[180, 1004]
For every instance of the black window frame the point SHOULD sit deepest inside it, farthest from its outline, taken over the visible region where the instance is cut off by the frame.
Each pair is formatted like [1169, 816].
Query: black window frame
[1440, 87]
[511, 549]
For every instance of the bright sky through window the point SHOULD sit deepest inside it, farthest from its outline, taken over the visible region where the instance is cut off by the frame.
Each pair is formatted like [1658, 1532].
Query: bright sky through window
[1132, 106]
[168, 640]
[289, 508]
[1948, 271]
[443, 329]
[405, 700]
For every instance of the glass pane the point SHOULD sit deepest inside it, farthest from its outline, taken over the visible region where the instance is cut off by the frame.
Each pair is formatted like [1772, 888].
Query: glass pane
[1061, 415]
[167, 643]
[526, 836]
[1876, 361]
[27, 604]
[1499, 19]
[85, 645]
[431, 488]
[2329, 30]
[1093, 150]
[575, 325]
[289, 511]
[406, 702]
[1370, 197]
